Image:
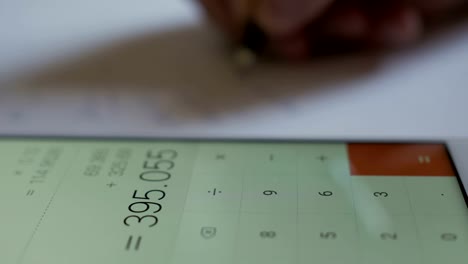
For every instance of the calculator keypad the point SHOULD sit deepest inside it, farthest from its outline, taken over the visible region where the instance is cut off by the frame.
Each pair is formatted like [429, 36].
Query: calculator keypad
[303, 203]
[328, 237]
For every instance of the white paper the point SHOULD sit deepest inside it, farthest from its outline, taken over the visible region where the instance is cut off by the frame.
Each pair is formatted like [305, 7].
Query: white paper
[150, 68]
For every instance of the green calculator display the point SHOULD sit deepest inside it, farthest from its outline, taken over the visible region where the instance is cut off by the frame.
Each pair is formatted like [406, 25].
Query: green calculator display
[179, 202]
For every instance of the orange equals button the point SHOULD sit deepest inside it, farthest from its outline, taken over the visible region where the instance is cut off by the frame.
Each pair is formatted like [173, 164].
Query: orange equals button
[399, 160]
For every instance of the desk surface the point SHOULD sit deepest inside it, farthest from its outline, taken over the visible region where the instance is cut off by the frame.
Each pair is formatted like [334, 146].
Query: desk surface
[153, 68]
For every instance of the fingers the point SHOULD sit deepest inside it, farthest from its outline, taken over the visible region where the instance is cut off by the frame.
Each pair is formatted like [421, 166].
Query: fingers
[398, 26]
[296, 28]
[294, 47]
[343, 26]
[285, 22]
[221, 12]
[387, 25]
[436, 7]
[281, 17]
[347, 21]
[282, 20]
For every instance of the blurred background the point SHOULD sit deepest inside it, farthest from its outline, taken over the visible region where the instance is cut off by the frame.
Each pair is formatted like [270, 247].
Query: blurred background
[156, 68]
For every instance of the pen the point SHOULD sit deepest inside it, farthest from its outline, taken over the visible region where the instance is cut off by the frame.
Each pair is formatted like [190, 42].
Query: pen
[253, 40]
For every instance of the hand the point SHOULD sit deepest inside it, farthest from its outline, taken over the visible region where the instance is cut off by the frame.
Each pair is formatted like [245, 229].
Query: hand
[296, 27]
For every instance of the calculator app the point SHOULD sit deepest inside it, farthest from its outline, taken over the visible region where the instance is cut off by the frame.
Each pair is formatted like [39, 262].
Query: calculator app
[179, 202]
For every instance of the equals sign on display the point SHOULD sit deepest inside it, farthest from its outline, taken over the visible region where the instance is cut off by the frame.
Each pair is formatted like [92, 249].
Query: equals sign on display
[133, 246]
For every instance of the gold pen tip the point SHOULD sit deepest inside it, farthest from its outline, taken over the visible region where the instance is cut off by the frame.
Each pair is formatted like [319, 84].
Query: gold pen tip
[245, 58]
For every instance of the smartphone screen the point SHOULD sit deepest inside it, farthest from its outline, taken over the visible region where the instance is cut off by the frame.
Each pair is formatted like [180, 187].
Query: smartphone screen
[178, 202]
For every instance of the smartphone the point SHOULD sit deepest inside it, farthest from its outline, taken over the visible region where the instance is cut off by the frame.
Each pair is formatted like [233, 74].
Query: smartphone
[95, 200]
